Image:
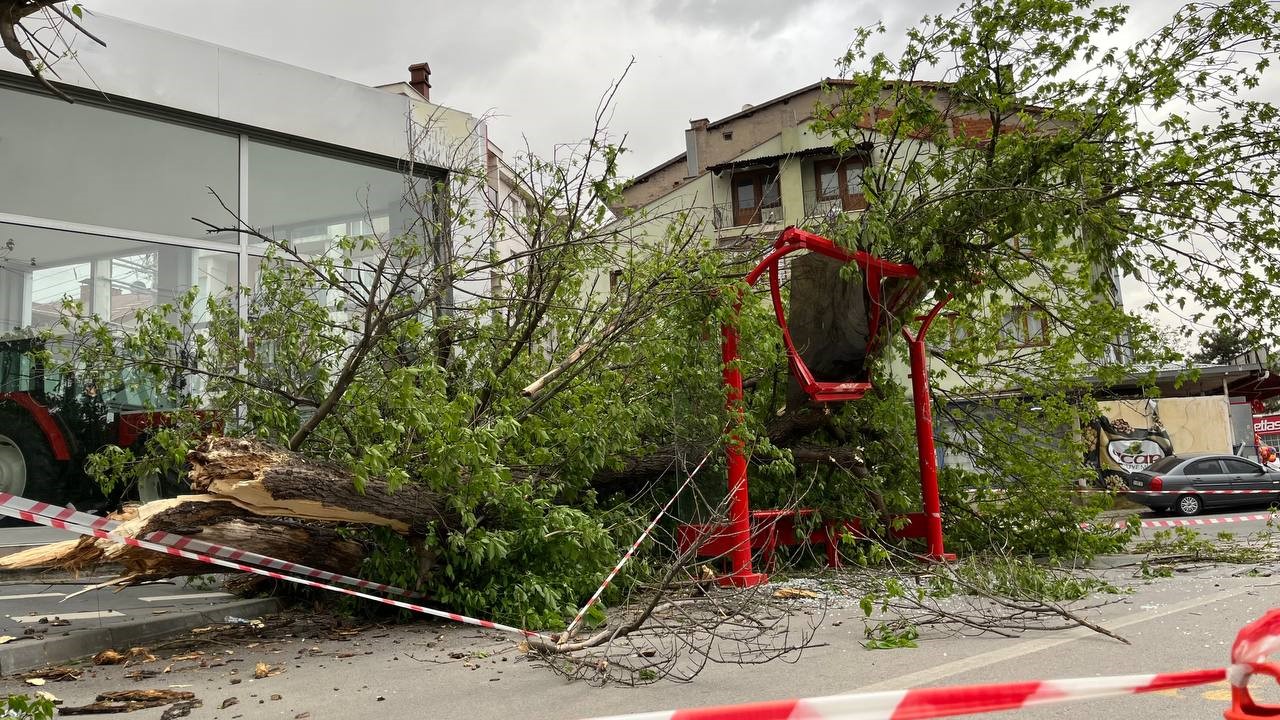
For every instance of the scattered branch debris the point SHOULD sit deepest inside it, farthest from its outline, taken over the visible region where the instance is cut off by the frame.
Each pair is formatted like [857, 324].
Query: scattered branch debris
[122, 701]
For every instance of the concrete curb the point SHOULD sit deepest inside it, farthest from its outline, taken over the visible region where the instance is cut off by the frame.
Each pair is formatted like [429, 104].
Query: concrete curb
[20, 655]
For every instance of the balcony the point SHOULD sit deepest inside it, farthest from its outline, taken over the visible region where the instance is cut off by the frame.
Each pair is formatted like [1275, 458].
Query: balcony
[725, 215]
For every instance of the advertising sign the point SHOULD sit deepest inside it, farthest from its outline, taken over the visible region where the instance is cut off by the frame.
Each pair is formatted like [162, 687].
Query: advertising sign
[1266, 424]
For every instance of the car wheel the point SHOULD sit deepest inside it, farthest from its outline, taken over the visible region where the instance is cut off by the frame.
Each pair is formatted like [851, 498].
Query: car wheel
[27, 465]
[1188, 505]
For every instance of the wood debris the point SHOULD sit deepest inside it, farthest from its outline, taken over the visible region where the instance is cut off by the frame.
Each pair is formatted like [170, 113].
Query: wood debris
[121, 701]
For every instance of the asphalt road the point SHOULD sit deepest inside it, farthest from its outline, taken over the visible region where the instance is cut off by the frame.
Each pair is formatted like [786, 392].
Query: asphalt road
[1246, 527]
[429, 670]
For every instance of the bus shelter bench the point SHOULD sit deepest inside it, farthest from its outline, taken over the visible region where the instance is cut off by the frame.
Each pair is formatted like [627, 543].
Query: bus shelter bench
[770, 529]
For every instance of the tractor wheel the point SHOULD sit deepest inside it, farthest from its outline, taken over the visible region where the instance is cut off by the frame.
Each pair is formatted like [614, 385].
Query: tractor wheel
[27, 465]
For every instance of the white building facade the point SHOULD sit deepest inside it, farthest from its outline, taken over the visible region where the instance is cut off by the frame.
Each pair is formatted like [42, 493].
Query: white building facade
[109, 201]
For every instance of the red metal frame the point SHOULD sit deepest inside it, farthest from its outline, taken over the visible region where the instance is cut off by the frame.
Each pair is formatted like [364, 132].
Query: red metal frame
[45, 420]
[919, 354]
[735, 540]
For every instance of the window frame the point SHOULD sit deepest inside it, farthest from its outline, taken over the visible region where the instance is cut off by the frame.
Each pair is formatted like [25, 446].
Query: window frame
[840, 166]
[1021, 315]
[761, 178]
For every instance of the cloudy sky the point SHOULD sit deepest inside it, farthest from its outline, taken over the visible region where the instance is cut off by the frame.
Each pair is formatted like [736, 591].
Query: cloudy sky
[541, 67]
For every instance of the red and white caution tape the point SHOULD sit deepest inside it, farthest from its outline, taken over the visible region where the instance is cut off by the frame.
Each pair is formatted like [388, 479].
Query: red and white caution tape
[940, 702]
[1181, 522]
[568, 632]
[71, 515]
[7, 509]
[1254, 644]
[1186, 491]
[1177, 522]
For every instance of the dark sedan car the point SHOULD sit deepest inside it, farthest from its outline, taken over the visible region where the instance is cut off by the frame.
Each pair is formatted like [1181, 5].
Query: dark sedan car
[1187, 483]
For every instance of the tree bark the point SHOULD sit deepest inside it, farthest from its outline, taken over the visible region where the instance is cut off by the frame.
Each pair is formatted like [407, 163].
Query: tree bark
[259, 498]
[267, 480]
[200, 517]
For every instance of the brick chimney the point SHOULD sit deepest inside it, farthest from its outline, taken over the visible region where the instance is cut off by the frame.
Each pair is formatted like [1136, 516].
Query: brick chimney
[420, 79]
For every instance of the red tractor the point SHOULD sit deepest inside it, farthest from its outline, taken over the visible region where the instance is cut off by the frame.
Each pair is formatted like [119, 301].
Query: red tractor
[49, 424]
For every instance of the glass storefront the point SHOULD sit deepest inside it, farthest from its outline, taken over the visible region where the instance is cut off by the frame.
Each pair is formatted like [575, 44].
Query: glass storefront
[100, 206]
[109, 276]
[105, 206]
[102, 167]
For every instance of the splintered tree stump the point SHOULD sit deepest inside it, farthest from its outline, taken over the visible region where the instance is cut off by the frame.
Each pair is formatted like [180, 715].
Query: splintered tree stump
[268, 480]
[202, 518]
[254, 497]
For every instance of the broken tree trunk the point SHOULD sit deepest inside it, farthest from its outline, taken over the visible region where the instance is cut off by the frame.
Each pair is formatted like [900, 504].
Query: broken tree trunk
[201, 517]
[254, 497]
[267, 480]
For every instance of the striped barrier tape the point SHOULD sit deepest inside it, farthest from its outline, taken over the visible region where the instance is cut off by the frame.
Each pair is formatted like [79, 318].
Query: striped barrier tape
[1255, 642]
[1179, 522]
[568, 632]
[7, 509]
[98, 522]
[924, 703]
[1186, 491]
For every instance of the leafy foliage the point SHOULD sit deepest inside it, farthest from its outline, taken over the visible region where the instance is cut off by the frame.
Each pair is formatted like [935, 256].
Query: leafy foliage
[24, 707]
[1222, 345]
[1016, 184]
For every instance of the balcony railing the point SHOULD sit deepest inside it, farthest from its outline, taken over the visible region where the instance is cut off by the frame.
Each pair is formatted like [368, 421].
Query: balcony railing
[819, 208]
[724, 216]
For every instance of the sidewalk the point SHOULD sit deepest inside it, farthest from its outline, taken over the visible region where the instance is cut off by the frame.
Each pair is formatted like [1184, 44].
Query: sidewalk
[45, 627]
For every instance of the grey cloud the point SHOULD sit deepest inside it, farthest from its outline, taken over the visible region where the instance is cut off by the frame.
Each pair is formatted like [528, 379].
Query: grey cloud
[759, 18]
[541, 67]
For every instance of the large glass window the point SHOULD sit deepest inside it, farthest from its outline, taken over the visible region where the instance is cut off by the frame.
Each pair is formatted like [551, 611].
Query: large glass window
[111, 277]
[102, 167]
[311, 199]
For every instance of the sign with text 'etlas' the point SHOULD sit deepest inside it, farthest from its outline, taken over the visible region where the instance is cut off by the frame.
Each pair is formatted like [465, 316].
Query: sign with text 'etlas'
[1266, 424]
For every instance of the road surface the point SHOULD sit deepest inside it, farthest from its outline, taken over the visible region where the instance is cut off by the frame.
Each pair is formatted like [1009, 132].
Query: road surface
[428, 670]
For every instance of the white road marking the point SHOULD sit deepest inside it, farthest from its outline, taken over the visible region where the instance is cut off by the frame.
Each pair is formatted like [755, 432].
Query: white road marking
[188, 596]
[94, 615]
[932, 675]
[30, 596]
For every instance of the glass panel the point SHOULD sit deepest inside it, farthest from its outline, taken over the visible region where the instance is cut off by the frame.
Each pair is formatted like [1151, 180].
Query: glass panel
[828, 182]
[312, 199]
[1035, 326]
[853, 179]
[1012, 329]
[101, 167]
[110, 276]
[1241, 467]
[771, 195]
[745, 192]
[1204, 467]
[1164, 464]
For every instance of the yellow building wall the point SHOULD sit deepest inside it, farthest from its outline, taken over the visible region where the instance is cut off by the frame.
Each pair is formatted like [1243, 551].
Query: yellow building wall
[1195, 424]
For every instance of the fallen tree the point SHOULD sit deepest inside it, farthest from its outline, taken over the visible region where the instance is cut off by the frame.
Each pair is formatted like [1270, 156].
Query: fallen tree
[360, 353]
[254, 497]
